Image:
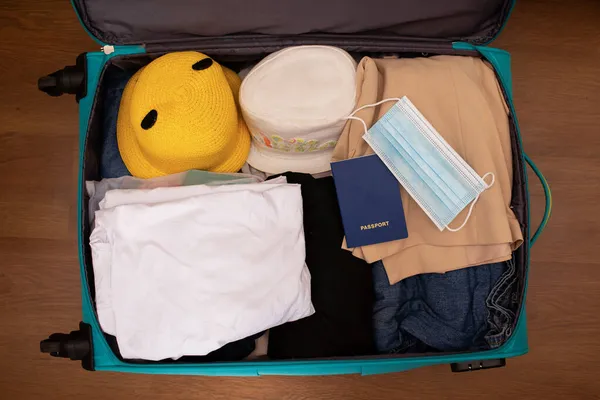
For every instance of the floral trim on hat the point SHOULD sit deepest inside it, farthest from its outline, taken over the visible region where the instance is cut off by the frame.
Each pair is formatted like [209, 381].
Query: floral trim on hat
[295, 145]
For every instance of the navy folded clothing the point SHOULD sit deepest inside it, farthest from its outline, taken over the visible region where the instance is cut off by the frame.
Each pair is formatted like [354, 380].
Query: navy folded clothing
[111, 163]
[341, 285]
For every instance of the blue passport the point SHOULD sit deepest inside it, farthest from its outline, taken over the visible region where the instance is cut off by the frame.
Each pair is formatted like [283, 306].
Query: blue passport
[370, 202]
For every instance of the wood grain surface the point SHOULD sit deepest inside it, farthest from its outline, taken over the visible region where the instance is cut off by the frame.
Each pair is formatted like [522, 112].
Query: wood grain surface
[556, 69]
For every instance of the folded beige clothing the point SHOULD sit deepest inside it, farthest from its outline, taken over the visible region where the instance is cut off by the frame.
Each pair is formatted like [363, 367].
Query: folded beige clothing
[461, 98]
[261, 345]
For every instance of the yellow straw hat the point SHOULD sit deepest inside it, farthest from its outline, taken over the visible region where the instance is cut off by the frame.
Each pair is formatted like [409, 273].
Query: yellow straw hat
[181, 112]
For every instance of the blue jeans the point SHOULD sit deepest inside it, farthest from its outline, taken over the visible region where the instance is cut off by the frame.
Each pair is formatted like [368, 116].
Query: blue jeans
[466, 309]
[502, 304]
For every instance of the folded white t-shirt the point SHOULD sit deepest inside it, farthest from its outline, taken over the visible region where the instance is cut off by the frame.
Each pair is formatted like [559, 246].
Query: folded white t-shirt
[186, 270]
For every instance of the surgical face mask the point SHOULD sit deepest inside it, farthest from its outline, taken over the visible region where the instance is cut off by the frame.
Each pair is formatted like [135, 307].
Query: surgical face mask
[437, 178]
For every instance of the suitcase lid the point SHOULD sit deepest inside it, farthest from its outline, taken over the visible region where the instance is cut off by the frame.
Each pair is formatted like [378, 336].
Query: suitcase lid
[168, 24]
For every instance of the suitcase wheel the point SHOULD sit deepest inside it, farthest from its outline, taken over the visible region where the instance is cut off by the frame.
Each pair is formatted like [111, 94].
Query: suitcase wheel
[76, 345]
[70, 79]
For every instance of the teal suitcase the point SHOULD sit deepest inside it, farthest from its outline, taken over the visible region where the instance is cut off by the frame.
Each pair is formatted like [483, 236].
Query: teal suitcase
[237, 31]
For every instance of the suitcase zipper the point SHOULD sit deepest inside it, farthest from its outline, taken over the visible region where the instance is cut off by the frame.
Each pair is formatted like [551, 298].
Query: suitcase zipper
[107, 49]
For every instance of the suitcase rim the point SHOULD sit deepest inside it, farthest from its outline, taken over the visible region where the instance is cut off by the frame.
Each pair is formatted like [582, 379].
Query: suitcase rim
[105, 359]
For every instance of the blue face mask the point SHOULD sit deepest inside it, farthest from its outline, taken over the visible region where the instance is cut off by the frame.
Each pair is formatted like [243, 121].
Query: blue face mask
[435, 176]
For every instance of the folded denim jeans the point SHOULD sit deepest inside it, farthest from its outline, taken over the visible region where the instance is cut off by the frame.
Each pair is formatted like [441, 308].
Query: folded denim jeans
[465, 309]
[502, 304]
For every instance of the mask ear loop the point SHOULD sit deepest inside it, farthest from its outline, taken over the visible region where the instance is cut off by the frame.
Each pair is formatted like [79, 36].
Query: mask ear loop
[351, 116]
[473, 204]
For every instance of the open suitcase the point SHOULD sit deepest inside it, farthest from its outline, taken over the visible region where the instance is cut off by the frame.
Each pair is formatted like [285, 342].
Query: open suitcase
[233, 32]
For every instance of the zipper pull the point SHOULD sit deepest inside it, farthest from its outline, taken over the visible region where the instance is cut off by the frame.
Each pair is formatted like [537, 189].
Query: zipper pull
[108, 49]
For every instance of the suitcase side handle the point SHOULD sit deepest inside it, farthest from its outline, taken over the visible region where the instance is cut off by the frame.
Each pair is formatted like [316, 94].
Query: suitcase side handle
[547, 195]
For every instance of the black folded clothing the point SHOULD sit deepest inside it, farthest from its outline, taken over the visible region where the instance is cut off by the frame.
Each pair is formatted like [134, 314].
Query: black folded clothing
[341, 285]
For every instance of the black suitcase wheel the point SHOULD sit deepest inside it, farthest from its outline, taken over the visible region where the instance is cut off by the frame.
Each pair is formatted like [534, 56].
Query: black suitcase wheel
[76, 345]
[70, 79]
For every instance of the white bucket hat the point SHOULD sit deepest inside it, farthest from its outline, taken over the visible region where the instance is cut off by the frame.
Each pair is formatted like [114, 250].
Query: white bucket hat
[295, 103]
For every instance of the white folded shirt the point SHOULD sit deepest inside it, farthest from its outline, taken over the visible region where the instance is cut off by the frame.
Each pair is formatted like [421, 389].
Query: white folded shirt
[185, 270]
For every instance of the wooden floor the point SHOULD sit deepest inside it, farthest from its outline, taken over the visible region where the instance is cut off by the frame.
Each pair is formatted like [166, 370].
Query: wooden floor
[556, 68]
